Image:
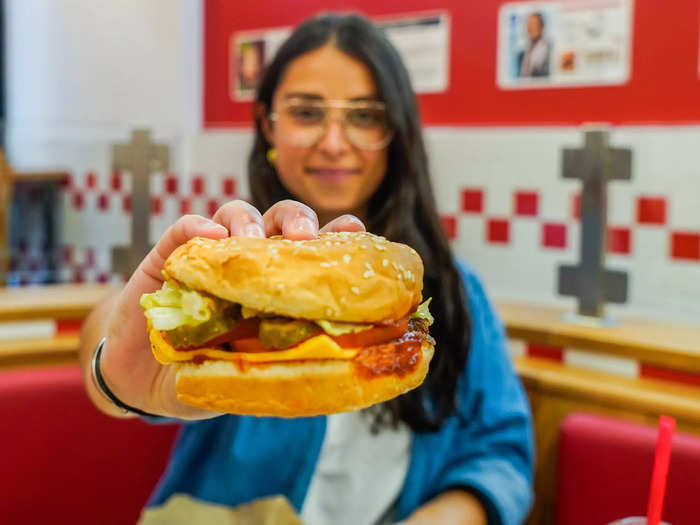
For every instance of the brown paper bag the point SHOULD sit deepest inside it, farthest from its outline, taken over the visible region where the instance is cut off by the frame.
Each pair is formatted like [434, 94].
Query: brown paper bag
[182, 509]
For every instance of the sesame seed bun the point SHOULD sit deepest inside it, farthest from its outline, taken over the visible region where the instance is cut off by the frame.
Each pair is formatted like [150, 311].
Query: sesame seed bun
[352, 277]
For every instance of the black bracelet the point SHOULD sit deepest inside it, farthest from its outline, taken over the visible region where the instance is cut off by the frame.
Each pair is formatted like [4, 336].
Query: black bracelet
[102, 385]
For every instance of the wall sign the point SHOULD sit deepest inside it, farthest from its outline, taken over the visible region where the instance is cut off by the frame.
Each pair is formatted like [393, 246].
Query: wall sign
[564, 43]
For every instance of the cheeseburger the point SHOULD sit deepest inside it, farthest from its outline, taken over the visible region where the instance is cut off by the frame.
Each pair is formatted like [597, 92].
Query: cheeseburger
[274, 327]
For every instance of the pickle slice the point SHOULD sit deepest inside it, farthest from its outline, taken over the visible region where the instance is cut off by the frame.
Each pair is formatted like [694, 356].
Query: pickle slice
[191, 336]
[282, 333]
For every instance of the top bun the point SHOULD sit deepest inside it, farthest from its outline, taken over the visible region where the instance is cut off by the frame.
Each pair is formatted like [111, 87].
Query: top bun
[353, 277]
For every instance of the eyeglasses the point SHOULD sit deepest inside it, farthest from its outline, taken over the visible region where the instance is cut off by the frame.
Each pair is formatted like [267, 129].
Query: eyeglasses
[302, 123]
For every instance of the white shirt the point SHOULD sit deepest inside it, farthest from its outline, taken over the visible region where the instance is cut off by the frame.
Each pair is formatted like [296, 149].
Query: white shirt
[358, 475]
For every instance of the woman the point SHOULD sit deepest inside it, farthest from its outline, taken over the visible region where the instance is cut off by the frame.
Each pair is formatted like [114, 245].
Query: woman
[338, 129]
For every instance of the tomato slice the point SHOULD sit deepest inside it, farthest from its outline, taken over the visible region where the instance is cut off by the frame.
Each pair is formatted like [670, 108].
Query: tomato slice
[249, 344]
[374, 336]
[244, 336]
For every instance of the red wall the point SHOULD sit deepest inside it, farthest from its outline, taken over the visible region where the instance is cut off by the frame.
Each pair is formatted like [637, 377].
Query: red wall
[664, 86]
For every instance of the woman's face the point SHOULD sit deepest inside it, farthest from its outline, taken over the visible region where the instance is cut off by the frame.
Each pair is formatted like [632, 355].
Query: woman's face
[333, 176]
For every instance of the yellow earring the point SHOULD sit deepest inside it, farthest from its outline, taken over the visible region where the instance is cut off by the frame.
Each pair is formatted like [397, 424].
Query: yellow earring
[271, 156]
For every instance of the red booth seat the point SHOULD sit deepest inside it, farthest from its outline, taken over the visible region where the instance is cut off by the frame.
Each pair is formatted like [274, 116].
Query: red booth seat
[604, 472]
[65, 462]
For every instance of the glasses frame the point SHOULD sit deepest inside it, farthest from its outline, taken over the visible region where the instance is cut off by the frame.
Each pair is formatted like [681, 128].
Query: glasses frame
[340, 104]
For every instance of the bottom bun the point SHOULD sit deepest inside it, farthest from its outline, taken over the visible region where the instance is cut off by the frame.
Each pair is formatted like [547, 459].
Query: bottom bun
[294, 389]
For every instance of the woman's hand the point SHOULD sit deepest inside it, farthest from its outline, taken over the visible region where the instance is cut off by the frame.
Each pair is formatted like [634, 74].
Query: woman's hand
[127, 362]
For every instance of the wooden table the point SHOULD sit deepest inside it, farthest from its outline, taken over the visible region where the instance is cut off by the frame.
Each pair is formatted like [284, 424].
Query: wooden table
[64, 304]
[672, 345]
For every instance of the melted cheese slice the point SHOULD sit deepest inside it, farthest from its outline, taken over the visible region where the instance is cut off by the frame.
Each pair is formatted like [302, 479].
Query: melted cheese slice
[318, 347]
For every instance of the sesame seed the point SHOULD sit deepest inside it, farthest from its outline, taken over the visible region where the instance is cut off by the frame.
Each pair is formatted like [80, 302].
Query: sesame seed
[329, 312]
[385, 262]
[346, 258]
[343, 300]
[334, 263]
[380, 247]
[328, 243]
[364, 246]
[355, 290]
[325, 265]
[368, 274]
[367, 265]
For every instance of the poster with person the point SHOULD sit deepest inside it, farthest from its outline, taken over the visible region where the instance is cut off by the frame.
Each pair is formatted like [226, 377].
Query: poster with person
[564, 43]
[248, 55]
[422, 39]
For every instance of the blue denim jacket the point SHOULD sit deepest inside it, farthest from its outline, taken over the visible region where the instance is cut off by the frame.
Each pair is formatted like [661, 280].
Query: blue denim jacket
[486, 447]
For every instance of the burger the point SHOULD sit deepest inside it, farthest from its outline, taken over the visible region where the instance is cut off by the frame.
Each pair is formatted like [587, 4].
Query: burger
[274, 327]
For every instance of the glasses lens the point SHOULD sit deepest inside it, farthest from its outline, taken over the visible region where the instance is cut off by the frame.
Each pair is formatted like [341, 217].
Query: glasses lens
[367, 127]
[303, 124]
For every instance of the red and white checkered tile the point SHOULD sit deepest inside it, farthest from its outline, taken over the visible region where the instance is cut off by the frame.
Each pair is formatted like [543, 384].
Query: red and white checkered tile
[95, 204]
[650, 215]
[504, 204]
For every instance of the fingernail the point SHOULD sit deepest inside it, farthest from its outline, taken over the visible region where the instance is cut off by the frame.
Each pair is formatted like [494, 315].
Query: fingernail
[206, 221]
[303, 224]
[351, 219]
[253, 229]
[221, 228]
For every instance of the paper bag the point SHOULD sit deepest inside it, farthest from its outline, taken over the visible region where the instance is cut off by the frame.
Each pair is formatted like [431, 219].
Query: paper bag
[182, 509]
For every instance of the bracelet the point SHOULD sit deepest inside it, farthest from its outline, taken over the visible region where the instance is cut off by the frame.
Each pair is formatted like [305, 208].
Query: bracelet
[102, 385]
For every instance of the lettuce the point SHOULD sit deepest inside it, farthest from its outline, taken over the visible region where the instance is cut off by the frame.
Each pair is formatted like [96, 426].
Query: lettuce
[336, 328]
[423, 313]
[175, 305]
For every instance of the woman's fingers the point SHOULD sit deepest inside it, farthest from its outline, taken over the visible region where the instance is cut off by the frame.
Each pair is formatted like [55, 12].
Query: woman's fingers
[292, 219]
[186, 228]
[241, 219]
[344, 223]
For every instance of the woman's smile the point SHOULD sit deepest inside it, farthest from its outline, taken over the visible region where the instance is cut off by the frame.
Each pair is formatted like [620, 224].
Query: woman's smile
[329, 174]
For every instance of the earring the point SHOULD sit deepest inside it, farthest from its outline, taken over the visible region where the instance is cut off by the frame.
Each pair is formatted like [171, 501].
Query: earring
[271, 156]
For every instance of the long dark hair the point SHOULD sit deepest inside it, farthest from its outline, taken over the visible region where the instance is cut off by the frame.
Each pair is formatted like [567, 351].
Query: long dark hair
[403, 208]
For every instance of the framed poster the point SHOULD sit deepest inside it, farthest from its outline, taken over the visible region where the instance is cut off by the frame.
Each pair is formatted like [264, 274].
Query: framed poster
[422, 40]
[249, 53]
[564, 43]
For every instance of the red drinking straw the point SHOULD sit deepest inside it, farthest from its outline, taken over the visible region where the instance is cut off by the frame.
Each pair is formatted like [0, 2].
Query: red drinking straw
[658, 477]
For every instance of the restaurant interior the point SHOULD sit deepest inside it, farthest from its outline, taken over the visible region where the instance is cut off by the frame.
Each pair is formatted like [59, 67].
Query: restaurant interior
[563, 147]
